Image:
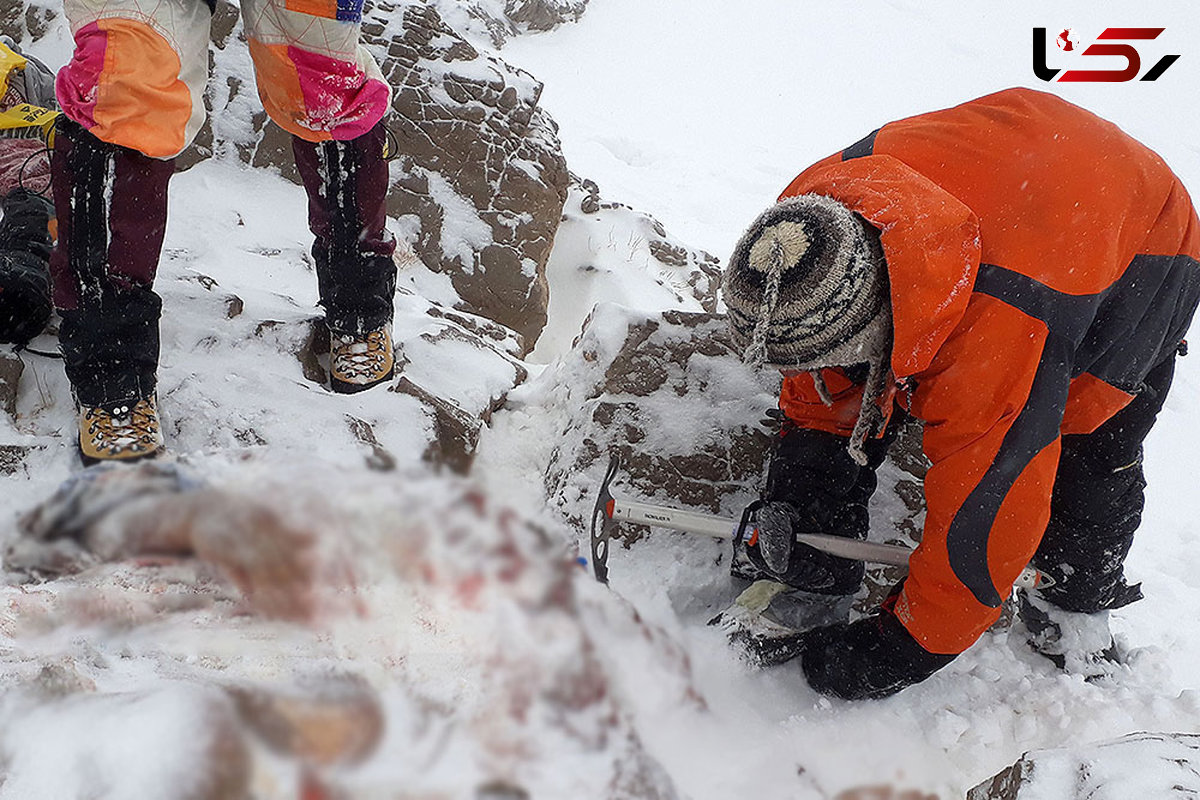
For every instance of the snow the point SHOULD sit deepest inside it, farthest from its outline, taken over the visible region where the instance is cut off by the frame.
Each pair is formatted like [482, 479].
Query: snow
[463, 232]
[604, 257]
[87, 744]
[699, 112]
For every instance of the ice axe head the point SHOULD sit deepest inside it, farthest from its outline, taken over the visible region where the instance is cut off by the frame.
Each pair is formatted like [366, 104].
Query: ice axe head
[603, 524]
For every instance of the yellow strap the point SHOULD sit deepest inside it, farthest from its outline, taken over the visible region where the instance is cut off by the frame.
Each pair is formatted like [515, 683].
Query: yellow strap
[28, 121]
[10, 62]
[24, 121]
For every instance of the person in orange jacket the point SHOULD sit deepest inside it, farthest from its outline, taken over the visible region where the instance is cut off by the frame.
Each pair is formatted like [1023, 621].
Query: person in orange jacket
[1016, 273]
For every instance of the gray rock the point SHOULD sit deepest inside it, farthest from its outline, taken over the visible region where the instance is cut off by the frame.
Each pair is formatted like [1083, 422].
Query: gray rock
[479, 166]
[12, 457]
[455, 433]
[665, 392]
[11, 367]
[544, 15]
[1148, 766]
[32, 20]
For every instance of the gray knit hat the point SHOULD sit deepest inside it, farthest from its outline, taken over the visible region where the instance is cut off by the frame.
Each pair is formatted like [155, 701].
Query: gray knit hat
[806, 288]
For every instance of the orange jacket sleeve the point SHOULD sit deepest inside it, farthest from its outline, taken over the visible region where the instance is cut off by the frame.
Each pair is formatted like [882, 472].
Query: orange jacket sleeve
[800, 401]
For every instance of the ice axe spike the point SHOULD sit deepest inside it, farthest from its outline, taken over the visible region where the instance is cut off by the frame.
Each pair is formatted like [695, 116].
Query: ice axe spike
[609, 510]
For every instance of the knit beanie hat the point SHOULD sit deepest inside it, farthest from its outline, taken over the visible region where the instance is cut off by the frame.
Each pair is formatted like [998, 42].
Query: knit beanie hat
[806, 288]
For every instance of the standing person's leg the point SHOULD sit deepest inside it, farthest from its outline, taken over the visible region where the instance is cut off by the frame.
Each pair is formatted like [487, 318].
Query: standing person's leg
[319, 84]
[132, 99]
[1095, 510]
[356, 277]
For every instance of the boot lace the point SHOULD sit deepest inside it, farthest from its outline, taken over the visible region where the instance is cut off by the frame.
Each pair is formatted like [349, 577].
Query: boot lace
[361, 358]
[124, 427]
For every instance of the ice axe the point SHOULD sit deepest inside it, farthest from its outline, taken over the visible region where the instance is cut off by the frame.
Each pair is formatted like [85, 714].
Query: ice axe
[610, 510]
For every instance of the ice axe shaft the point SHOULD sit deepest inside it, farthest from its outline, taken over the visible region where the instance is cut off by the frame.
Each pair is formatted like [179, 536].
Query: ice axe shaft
[609, 510]
[726, 528]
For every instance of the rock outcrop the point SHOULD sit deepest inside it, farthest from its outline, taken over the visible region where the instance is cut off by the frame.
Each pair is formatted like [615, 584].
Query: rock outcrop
[665, 393]
[479, 169]
[11, 368]
[501, 20]
[687, 271]
[1148, 766]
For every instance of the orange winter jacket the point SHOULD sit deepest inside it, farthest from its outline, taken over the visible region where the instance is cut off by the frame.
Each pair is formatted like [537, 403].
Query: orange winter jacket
[1041, 262]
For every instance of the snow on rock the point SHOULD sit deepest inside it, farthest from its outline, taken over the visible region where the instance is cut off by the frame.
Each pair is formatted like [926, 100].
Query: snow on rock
[448, 644]
[241, 321]
[479, 165]
[11, 367]
[28, 20]
[607, 252]
[544, 15]
[429, 339]
[664, 392]
[1148, 766]
[499, 20]
[95, 744]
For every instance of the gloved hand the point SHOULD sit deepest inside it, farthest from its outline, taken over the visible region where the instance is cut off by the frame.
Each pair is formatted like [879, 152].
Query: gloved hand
[873, 657]
[776, 553]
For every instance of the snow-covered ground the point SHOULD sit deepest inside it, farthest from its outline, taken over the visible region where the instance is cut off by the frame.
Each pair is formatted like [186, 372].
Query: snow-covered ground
[698, 112]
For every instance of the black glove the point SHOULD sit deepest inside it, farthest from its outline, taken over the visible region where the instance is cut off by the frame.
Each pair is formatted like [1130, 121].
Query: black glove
[871, 658]
[813, 486]
[776, 553]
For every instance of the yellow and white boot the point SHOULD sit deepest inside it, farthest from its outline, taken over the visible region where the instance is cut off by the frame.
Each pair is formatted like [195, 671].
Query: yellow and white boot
[360, 361]
[123, 431]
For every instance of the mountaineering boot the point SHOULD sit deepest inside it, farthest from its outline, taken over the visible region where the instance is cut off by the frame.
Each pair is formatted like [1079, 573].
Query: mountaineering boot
[1077, 643]
[358, 362]
[125, 431]
[346, 183]
[768, 620]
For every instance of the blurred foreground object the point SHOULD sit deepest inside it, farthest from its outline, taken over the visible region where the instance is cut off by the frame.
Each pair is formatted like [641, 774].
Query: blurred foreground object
[408, 633]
